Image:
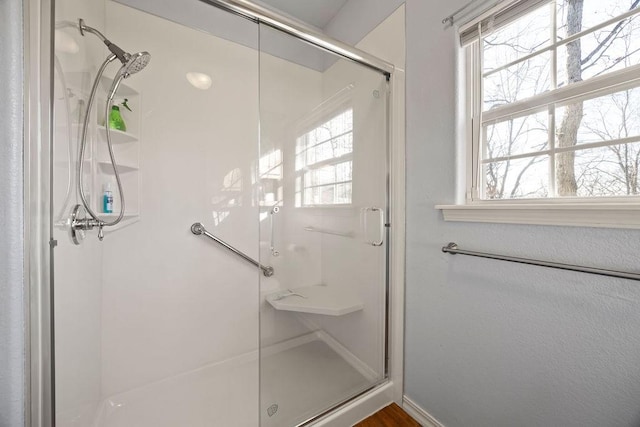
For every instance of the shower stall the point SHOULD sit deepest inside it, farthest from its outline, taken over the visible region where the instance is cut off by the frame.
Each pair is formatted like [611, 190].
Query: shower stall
[224, 249]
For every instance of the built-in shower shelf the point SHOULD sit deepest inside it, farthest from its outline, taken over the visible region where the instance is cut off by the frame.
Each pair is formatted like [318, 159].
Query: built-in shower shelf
[97, 166]
[327, 300]
[111, 216]
[117, 136]
[107, 168]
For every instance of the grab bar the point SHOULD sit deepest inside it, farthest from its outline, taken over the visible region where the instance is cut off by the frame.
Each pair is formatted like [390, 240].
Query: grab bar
[453, 249]
[197, 228]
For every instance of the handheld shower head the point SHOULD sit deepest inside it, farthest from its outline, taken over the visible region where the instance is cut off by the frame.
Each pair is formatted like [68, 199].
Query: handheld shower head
[135, 62]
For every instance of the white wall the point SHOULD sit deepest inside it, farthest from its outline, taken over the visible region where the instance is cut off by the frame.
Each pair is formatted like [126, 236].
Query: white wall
[490, 343]
[172, 301]
[195, 296]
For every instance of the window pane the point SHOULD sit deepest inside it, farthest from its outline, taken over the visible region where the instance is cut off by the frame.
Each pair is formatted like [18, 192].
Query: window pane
[608, 49]
[343, 145]
[333, 194]
[344, 171]
[300, 158]
[328, 174]
[594, 12]
[323, 173]
[331, 149]
[520, 81]
[338, 125]
[343, 193]
[521, 135]
[608, 171]
[518, 39]
[606, 118]
[515, 179]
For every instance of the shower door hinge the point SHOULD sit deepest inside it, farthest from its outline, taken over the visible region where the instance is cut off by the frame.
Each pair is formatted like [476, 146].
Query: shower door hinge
[53, 243]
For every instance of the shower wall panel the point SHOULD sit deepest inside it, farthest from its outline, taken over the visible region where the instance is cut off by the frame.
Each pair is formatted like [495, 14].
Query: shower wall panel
[78, 270]
[174, 302]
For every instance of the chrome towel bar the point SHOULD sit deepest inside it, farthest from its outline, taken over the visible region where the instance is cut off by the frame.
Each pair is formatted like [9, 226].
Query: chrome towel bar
[453, 249]
[198, 229]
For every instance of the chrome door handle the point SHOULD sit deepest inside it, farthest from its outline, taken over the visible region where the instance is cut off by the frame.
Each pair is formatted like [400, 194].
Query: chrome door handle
[366, 228]
[272, 247]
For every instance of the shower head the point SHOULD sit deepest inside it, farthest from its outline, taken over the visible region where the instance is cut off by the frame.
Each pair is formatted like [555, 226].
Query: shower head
[131, 64]
[135, 62]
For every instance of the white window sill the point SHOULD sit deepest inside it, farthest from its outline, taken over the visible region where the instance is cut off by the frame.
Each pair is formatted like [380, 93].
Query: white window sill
[605, 215]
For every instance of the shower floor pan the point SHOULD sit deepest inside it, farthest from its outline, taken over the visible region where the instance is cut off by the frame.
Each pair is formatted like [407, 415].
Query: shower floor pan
[301, 377]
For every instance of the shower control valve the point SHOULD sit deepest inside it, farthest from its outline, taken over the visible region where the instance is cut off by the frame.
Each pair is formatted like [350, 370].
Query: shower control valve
[81, 223]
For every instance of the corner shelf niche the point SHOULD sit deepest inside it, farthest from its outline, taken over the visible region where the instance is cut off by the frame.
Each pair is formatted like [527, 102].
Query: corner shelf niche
[117, 136]
[126, 149]
[319, 299]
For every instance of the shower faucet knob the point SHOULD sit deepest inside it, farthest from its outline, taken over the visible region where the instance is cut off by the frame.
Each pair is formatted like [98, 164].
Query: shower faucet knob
[79, 223]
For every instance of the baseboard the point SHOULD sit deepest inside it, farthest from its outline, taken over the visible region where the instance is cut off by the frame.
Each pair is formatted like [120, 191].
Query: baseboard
[419, 414]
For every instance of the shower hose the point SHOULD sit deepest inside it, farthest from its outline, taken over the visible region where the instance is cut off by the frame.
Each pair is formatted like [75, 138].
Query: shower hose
[83, 144]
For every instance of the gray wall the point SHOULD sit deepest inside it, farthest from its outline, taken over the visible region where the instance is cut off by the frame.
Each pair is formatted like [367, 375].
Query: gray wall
[490, 343]
[11, 225]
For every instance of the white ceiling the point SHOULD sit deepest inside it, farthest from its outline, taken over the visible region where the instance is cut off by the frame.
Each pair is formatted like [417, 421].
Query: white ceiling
[315, 12]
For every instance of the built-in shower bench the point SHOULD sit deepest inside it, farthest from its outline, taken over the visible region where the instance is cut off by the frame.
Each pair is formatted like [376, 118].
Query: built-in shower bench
[318, 299]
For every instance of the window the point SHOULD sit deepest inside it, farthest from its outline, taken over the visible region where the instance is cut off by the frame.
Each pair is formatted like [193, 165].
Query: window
[554, 97]
[324, 162]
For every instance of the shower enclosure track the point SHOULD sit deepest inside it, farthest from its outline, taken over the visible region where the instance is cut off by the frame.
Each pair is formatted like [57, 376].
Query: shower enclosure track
[261, 14]
[198, 229]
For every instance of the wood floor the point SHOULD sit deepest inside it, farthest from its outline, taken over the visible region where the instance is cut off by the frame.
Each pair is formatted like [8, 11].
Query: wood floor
[391, 416]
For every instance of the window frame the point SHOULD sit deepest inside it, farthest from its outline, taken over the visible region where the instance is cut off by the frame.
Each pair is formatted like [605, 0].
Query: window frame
[599, 211]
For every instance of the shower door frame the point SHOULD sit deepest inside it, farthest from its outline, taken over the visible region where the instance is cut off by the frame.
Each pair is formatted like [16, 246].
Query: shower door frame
[38, 24]
[39, 243]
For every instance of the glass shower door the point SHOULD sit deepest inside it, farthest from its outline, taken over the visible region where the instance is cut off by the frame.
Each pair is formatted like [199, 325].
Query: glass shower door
[322, 196]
